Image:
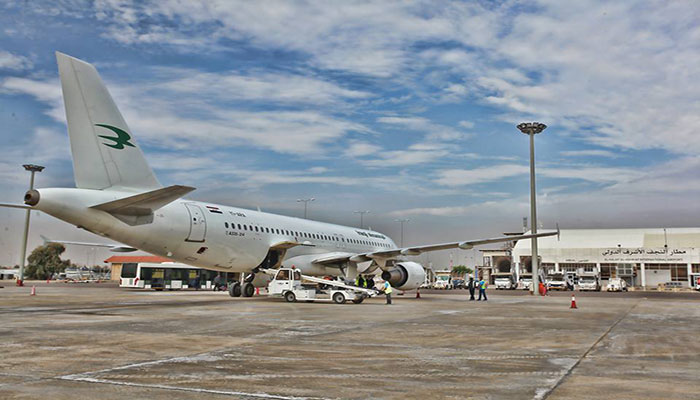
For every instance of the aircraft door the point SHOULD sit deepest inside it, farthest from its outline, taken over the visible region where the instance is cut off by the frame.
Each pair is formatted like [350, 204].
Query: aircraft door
[198, 224]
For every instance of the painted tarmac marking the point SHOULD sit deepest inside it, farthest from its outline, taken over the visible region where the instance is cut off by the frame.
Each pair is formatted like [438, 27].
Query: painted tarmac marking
[78, 378]
[544, 395]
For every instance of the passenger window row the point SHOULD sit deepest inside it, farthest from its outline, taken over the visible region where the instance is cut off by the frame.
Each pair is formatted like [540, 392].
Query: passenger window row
[253, 228]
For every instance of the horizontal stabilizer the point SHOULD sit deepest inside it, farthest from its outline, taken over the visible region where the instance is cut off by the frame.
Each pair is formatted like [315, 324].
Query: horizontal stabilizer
[112, 247]
[15, 206]
[138, 209]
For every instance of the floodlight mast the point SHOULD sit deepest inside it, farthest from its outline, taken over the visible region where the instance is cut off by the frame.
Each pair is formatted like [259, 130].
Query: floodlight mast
[306, 203]
[362, 214]
[402, 221]
[33, 169]
[531, 129]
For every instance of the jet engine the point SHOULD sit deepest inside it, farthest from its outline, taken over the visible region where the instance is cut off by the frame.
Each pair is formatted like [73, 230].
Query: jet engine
[405, 275]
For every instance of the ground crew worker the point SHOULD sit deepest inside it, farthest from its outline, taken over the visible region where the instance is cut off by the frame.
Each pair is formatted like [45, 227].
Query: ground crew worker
[359, 282]
[472, 288]
[387, 291]
[482, 289]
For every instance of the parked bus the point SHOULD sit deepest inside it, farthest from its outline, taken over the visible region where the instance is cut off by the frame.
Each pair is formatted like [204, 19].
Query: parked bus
[169, 275]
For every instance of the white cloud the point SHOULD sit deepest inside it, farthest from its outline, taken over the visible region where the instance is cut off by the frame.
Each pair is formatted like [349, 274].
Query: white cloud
[592, 173]
[207, 125]
[14, 62]
[589, 153]
[466, 124]
[611, 73]
[291, 132]
[262, 86]
[495, 173]
[461, 177]
[48, 92]
[402, 158]
[361, 149]
[434, 132]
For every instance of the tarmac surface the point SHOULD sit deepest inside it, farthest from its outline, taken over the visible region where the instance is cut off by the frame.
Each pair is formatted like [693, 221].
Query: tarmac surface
[102, 342]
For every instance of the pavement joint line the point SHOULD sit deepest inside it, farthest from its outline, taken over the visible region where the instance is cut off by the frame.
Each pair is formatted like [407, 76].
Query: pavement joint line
[568, 372]
[141, 364]
[78, 378]
[112, 378]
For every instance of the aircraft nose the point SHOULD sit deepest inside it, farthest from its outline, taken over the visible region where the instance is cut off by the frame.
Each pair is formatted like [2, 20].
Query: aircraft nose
[31, 198]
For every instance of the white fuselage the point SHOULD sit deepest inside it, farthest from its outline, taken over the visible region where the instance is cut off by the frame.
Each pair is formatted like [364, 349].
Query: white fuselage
[207, 235]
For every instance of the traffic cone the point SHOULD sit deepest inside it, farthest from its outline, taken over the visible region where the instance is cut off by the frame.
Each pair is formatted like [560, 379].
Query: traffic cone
[33, 293]
[257, 291]
[573, 301]
[418, 293]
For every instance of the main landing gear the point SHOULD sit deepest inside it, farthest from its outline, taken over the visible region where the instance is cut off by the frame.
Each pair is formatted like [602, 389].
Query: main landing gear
[234, 289]
[247, 289]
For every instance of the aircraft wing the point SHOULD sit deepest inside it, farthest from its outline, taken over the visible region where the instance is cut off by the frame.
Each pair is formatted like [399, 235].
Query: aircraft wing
[112, 247]
[417, 250]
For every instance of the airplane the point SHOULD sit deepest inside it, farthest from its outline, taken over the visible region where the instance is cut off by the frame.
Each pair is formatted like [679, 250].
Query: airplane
[117, 196]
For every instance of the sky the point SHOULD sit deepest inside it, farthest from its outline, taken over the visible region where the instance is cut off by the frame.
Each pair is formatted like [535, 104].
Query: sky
[403, 109]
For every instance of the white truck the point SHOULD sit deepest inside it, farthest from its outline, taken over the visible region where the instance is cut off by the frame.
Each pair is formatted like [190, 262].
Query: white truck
[589, 282]
[504, 281]
[556, 281]
[525, 282]
[443, 280]
[287, 283]
[616, 285]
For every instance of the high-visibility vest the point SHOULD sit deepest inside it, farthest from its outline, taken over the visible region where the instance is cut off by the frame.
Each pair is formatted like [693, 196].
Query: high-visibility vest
[483, 285]
[387, 288]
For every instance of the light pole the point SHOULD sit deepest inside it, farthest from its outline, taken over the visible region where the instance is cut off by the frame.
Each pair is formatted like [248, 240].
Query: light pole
[362, 214]
[531, 129]
[33, 169]
[402, 222]
[306, 203]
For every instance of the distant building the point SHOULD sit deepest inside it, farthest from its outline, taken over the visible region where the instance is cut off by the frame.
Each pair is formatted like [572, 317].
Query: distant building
[642, 257]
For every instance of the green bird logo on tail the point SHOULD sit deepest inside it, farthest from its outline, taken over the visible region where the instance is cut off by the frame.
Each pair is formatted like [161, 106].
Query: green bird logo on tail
[120, 141]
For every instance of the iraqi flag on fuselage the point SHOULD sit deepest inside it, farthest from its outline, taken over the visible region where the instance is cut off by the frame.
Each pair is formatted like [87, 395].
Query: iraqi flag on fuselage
[214, 210]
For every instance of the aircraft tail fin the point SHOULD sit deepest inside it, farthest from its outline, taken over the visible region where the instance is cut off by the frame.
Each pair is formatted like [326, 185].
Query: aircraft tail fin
[104, 153]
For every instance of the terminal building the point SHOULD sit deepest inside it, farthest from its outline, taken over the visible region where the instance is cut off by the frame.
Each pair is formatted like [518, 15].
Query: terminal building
[644, 258]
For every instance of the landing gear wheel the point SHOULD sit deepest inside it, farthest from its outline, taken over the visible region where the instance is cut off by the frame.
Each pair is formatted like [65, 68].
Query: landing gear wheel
[290, 297]
[338, 298]
[234, 289]
[247, 289]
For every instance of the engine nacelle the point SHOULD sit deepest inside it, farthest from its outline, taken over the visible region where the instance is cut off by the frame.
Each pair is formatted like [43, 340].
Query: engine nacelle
[405, 275]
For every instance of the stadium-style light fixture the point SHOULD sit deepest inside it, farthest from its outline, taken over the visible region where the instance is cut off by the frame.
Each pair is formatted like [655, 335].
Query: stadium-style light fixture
[33, 168]
[531, 129]
[362, 214]
[306, 203]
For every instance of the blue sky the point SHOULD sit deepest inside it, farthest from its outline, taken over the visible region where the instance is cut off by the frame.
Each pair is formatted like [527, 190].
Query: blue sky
[404, 109]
